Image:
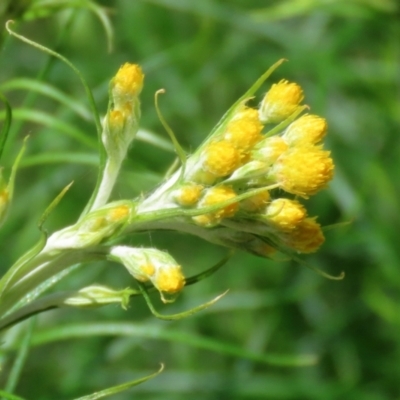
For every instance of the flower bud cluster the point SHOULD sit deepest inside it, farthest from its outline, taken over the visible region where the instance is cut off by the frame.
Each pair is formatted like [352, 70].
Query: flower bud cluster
[122, 119]
[256, 148]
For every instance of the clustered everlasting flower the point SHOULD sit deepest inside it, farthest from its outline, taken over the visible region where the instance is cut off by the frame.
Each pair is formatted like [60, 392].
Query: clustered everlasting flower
[251, 174]
[242, 188]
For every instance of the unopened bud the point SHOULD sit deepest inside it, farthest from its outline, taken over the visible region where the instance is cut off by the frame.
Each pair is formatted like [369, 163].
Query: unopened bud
[95, 227]
[97, 296]
[280, 102]
[153, 265]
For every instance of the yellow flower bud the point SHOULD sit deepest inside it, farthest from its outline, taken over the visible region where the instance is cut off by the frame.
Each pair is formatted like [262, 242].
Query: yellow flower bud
[285, 214]
[188, 195]
[308, 129]
[303, 170]
[214, 196]
[244, 131]
[307, 237]
[94, 227]
[220, 158]
[128, 81]
[169, 280]
[280, 102]
[150, 264]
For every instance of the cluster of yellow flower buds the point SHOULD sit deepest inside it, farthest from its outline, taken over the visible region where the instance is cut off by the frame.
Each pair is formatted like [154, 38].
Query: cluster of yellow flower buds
[122, 119]
[256, 148]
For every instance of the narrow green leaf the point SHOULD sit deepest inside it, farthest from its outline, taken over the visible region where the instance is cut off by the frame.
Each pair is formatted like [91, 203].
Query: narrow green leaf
[154, 139]
[120, 388]
[20, 359]
[53, 123]
[152, 332]
[32, 85]
[174, 317]
[72, 66]
[90, 159]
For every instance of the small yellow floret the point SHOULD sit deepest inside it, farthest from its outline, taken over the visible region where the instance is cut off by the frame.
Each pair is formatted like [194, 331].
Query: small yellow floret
[244, 131]
[188, 195]
[280, 102]
[285, 214]
[116, 121]
[214, 196]
[169, 280]
[307, 237]
[303, 170]
[129, 80]
[118, 213]
[308, 129]
[256, 202]
[220, 158]
[147, 270]
[270, 149]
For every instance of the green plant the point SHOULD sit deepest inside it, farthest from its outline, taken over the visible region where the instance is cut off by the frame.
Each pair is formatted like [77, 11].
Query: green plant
[236, 190]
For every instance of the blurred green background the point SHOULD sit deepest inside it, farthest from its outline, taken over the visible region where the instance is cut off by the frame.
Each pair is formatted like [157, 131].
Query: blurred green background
[346, 56]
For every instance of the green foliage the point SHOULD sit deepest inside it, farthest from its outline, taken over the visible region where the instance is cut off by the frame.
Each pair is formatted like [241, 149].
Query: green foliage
[345, 334]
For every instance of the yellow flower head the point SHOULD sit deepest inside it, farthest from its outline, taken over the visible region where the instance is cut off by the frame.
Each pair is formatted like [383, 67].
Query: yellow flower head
[220, 158]
[307, 237]
[169, 279]
[270, 149]
[280, 102]
[308, 129]
[256, 202]
[244, 131]
[303, 170]
[214, 196]
[128, 81]
[285, 214]
[188, 195]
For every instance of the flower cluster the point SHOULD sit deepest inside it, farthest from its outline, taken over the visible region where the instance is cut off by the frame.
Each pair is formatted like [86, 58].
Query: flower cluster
[241, 189]
[251, 172]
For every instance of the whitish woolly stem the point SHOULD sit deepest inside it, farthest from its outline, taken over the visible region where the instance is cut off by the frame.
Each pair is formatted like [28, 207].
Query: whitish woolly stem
[43, 267]
[110, 175]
